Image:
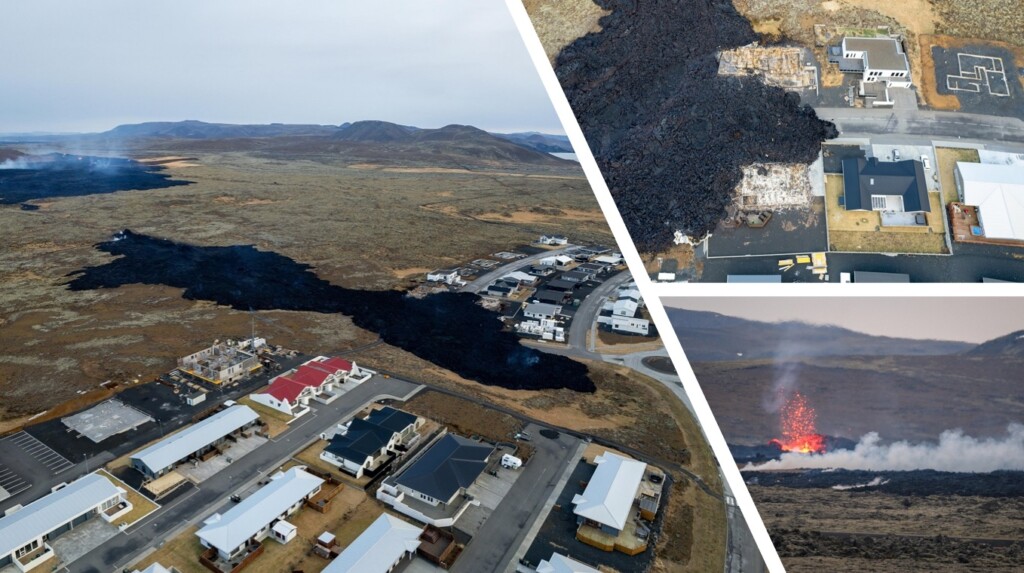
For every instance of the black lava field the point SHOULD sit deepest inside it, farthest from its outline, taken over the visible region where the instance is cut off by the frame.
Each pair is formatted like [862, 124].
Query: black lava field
[907, 483]
[668, 132]
[60, 175]
[448, 329]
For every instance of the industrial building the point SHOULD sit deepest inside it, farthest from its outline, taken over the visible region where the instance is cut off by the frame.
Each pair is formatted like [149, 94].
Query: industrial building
[24, 533]
[194, 441]
[379, 548]
[997, 191]
[255, 517]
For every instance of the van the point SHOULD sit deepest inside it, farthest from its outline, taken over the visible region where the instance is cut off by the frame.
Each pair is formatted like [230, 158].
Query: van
[927, 162]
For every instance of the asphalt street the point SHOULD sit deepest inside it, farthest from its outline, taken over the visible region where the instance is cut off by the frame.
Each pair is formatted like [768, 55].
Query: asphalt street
[203, 500]
[485, 279]
[933, 124]
[494, 547]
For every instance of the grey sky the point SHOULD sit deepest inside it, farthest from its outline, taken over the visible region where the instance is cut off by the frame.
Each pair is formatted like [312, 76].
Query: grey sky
[967, 319]
[88, 66]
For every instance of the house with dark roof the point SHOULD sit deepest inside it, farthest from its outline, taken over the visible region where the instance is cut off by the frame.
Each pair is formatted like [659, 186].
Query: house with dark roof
[445, 470]
[887, 186]
[365, 444]
[549, 296]
[562, 285]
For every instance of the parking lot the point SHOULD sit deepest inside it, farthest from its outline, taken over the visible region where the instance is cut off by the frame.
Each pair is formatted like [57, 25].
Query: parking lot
[44, 454]
[11, 484]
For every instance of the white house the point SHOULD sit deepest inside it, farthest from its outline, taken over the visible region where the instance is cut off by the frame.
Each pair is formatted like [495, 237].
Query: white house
[557, 261]
[541, 310]
[876, 59]
[254, 518]
[553, 240]
[998, 193]
[630, 324]
[379, 548]
[317, 379]
[561, 564]
[524, 279]
[364, 444]
[546, 329]
[446, 276]
[610, 493]
[24, 533]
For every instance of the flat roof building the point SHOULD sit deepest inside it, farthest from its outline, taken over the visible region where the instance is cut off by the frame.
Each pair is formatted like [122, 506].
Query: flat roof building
[873, 277]
[253, 518]
[25, 532]
[162, 456]
[379, 548]
[753, 279]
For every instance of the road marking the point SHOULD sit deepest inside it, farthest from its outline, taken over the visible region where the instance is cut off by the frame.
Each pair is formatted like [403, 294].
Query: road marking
[12, 483]
[44, 454]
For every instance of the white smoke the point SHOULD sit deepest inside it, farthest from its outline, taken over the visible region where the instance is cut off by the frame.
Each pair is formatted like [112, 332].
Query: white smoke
[19, 163]
[873, 483]
[954, 452]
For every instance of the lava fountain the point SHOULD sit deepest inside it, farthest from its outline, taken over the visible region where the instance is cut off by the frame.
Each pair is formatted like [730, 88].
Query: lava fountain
[798, 425]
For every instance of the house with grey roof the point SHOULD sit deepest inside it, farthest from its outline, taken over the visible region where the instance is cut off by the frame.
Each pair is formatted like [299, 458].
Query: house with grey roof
[886, 186]
[445, 470]
[365, 444]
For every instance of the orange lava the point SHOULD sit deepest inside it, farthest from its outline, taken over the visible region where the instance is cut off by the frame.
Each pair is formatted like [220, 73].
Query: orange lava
[799, 431]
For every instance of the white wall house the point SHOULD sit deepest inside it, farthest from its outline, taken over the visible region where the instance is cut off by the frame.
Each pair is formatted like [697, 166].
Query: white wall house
[379, 548]
[557, 261]
[24, 533]
[364, 444]
[254, 518]
[541, 310]
[610, 493]
[875, 59]
[631, 324]
[446, 276]
[318, 379]
[561, 564]
[553, 240]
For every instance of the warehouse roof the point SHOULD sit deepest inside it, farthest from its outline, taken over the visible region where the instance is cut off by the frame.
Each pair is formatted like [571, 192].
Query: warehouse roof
[611, 490]
[378, 547]
[998, 193]
[196, 437]
[453, 462]
[233, 528]
[53, 510]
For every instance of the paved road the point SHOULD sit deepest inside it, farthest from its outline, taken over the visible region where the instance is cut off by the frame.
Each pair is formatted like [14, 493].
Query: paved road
[934, 124]
[495, 545]
[487, 278]
[203, 499]
[586, 315]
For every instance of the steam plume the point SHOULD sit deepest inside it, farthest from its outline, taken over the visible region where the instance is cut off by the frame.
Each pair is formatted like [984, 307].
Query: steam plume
[954, 452]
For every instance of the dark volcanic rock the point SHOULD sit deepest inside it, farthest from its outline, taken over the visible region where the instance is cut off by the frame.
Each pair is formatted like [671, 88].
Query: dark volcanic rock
[669, 133]
[1004, 483]
[59, 175]
[448, 329]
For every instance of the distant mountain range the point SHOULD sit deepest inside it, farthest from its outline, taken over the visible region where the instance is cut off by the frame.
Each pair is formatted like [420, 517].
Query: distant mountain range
[712, 337]
[1010, 345]
[361, 140]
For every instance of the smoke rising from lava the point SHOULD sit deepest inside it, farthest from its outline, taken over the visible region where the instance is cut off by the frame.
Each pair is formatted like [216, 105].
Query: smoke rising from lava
[954, 452]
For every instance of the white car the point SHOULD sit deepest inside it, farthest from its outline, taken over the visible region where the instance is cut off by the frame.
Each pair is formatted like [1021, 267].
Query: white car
[927, 162]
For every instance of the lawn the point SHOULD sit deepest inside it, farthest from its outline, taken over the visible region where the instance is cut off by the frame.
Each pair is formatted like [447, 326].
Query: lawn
[141, 505]
[946, 157]
[349, 514]
[863, 230]
[277, 422]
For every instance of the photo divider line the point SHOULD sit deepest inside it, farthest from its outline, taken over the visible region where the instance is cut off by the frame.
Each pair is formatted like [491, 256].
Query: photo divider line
[705, 417]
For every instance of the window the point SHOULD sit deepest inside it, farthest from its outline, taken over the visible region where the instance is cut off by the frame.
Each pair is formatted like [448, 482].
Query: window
[27, 549]
[877, 202]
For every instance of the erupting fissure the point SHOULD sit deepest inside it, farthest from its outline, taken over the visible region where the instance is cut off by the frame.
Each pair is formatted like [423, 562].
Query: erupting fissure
[799, 427]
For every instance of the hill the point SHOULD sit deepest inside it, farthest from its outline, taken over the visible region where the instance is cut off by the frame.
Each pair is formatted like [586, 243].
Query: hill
[1010, 345]
[710, 336]
[540, 141]
[192, 129]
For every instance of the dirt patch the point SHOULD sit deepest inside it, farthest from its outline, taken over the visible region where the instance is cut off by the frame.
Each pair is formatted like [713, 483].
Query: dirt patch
[947, 158]
[998, 20]
[559, 22]
[532, 216]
